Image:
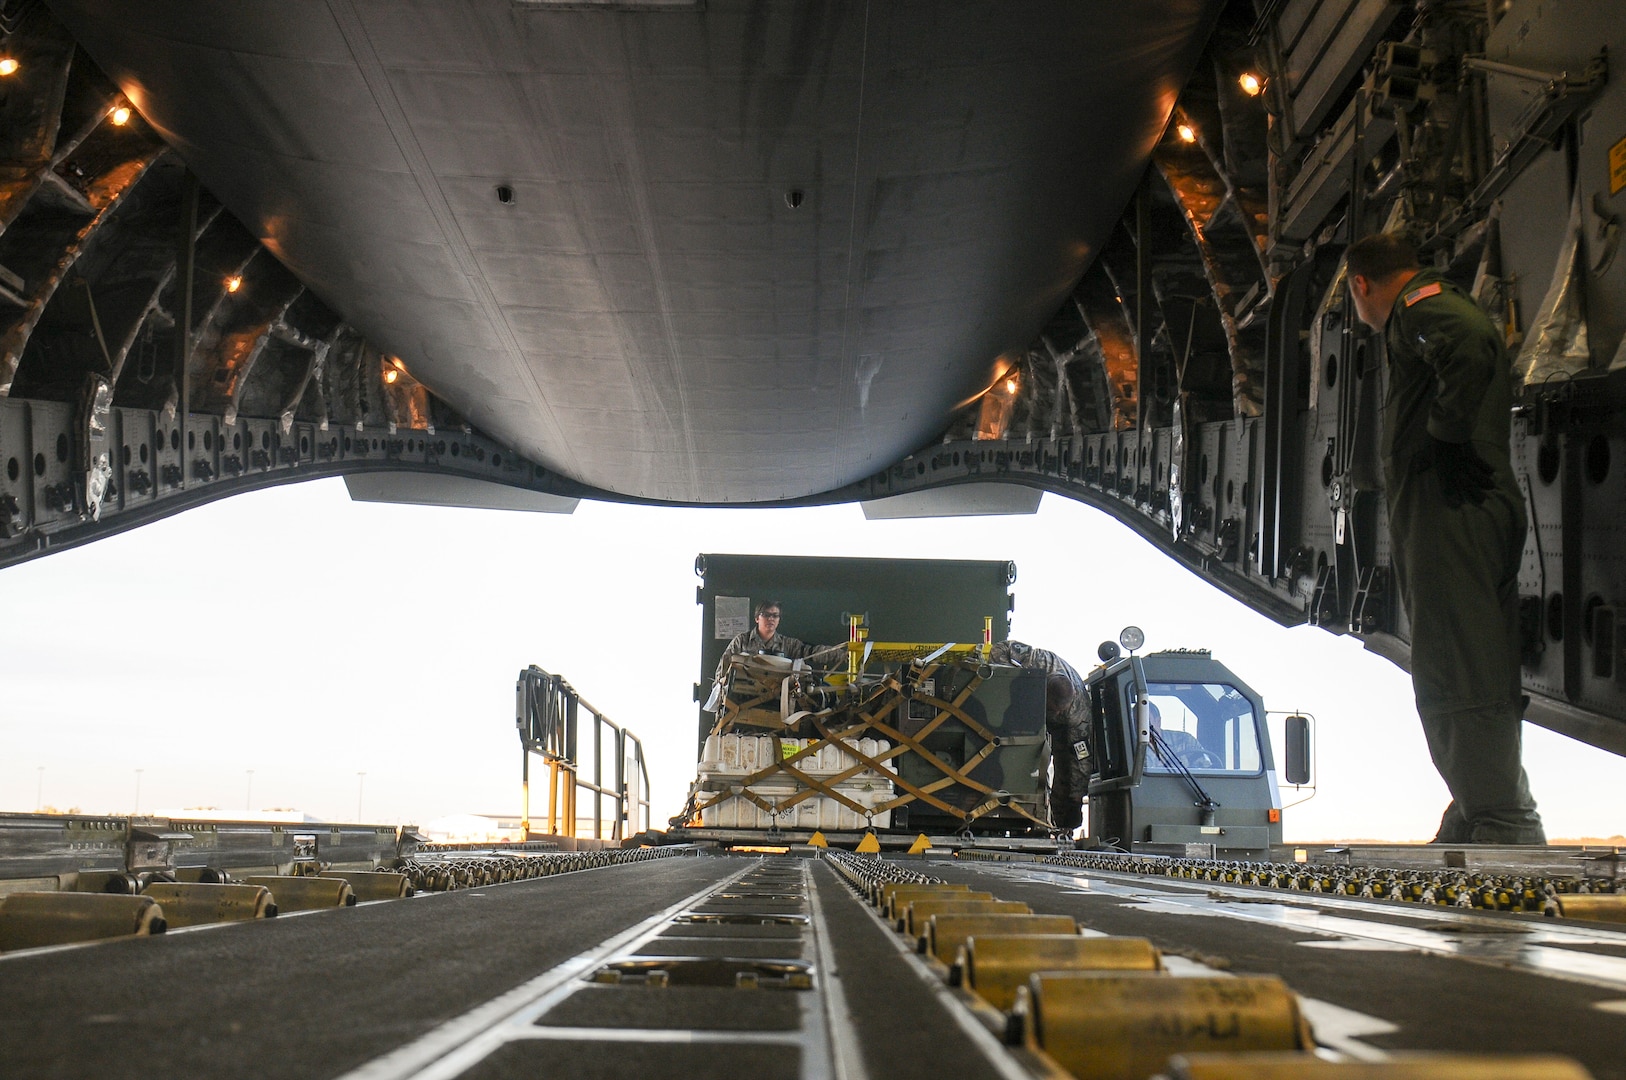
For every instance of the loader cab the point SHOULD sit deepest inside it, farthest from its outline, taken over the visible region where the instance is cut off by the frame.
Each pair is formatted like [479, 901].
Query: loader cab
[1181, 757]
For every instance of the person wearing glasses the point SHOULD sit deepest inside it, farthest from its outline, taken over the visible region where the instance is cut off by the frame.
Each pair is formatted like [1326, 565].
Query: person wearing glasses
[765, 639]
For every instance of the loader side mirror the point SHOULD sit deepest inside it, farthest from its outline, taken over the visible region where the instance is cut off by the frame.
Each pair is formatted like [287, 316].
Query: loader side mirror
[1297, 765]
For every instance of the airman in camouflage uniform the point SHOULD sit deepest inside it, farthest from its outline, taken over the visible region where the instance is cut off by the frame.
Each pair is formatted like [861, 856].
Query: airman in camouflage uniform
[1067, 726]
[765, 639]
[1457, 526]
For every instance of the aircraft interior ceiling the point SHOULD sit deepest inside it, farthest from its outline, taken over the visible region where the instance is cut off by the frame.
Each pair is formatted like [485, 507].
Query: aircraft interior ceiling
[520, 253]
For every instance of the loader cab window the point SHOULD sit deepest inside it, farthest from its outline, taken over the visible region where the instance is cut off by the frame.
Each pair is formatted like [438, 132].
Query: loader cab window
[1207, 727]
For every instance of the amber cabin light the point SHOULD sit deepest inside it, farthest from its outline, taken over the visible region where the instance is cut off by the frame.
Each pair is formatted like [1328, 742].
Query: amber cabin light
[234, 283]
[390, 375]
[8, 66]
[1010, 386]
[1251, 84]
[120, 116]
[1187, 133]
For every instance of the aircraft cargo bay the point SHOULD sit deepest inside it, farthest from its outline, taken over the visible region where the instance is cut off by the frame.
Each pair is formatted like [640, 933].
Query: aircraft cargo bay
[1316, 304]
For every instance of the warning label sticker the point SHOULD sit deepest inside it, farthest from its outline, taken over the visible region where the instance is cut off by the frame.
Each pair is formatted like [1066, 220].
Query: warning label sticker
[1617, 167]
[731, 615]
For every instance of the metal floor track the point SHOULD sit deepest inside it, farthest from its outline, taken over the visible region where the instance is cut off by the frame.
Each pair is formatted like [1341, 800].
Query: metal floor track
[712, 966]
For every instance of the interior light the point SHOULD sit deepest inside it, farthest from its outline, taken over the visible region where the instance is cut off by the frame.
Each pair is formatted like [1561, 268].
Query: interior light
[8, 66]
[1187, 133]
[1251, 84]
[1010, 385]
[390, 375]
[234, 283]
[120, 115]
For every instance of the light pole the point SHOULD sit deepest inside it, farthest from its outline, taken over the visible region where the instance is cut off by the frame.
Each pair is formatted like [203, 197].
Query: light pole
[39, 791]
[248, 799]
[138, 773]
[361, 778]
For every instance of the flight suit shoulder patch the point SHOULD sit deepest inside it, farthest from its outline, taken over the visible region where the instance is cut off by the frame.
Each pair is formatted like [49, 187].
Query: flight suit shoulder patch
[1432, 289]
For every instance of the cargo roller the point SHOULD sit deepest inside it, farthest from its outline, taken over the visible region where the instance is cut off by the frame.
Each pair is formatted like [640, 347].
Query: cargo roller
[306, 893]
[30, 920]
[200, 903]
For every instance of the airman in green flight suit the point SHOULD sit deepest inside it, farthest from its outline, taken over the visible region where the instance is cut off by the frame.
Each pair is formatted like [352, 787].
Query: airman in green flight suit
[1457, 526]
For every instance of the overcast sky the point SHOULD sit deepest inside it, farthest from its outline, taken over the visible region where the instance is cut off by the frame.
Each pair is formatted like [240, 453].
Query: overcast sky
[307, 638]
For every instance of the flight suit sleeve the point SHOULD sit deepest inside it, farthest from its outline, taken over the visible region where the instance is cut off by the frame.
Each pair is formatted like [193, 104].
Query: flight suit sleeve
[1457, 342]
[823, 653]
[734, 645]
[796, 649]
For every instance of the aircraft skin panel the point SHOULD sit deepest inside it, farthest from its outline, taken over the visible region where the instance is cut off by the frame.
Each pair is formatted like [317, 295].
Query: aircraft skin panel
[650, 293]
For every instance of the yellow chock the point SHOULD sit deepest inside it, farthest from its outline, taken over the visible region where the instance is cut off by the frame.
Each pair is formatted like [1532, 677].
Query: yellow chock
[30, 920]
[1123, 1026]
[817, 840]
[869, 845]
[1305, 1066]
[196, 903]
[921, 845]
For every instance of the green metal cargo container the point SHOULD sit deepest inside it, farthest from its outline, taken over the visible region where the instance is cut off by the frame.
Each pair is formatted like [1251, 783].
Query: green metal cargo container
[913, 601]
[905, 600]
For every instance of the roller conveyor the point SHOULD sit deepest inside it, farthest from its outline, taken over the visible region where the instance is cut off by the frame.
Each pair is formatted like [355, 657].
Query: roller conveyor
[710, 965]
[1377, 976]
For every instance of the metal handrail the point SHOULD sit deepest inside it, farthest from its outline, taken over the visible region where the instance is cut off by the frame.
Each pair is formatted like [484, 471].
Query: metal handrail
[548, 715]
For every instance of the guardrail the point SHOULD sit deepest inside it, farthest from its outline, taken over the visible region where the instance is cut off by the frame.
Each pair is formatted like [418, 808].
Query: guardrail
[548, 714]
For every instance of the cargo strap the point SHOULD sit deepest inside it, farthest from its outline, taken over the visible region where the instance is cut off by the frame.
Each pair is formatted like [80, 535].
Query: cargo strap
[881, 701]
[759, 706]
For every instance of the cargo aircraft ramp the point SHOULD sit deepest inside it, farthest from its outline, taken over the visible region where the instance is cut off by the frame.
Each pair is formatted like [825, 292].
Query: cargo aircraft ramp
[687, 962]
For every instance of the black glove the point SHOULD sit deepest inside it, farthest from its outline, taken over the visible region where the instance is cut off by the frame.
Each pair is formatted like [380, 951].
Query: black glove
[1464, 475]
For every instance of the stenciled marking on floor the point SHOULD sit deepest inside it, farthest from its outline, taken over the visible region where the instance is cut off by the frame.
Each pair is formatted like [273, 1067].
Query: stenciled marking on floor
[1342, 1030]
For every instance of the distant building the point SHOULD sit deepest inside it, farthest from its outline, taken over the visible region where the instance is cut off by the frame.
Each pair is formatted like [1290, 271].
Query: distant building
[472, 829]
[275, 815]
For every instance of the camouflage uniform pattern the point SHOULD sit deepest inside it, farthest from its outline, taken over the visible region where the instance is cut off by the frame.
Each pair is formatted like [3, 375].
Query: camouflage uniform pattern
[1069, 739]
[1458, 568]
[750, 643]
